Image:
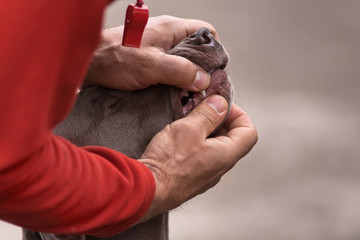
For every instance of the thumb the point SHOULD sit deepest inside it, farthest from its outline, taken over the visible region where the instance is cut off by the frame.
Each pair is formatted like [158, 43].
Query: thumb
[179, 71]
[208, 115]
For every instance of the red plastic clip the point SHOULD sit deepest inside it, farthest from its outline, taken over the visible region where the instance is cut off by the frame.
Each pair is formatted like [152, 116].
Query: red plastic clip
[136, 18]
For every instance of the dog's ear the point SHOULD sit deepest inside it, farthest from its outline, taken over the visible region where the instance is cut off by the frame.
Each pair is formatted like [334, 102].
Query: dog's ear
[51, 236]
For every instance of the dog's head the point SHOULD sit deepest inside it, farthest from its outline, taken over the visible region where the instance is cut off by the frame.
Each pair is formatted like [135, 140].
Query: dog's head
[204, 50]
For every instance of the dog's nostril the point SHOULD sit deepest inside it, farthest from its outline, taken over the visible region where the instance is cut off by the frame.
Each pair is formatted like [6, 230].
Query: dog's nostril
[202, 36]
[207, 38]
[223, 66]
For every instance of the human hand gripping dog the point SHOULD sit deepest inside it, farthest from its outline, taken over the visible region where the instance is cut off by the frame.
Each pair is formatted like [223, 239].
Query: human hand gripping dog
[185, 161]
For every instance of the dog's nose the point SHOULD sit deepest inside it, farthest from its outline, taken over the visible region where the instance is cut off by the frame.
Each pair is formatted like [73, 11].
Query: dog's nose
[201, 37]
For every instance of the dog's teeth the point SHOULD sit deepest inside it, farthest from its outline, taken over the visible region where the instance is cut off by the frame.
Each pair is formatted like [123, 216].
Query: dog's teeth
[203, 93]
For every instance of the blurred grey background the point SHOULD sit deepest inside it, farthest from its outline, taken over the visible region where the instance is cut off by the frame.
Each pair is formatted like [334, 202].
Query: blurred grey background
[295, 65]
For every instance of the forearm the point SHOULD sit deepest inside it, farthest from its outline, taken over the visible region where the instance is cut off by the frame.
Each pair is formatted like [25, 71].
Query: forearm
[64, 189]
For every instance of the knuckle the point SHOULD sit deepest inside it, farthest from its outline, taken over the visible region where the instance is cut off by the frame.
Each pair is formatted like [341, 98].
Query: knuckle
[175, 127]
[185, 129]
[165, 17]
[167, 128]
[255, 135]
[182, 126]
[166, 20]
[166, 66]
[212, 28]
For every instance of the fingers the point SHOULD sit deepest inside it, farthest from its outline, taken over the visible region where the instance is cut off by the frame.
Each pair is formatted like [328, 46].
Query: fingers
[180, 28]
[208, 115]
[240, 137]
[241, 130]
[131, 69]
[238, 118]
[186, 163]
[178, 71]
[186, 27]
[149, 65]
[174, 70]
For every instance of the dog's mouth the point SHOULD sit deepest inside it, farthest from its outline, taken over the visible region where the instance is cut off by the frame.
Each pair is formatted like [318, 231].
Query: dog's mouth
[219, 84]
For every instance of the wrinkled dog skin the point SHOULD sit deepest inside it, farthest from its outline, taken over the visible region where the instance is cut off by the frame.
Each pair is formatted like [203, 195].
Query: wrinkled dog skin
[126, 121]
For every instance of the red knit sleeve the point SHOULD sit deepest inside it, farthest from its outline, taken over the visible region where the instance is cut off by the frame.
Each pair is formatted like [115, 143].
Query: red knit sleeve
[46, 183]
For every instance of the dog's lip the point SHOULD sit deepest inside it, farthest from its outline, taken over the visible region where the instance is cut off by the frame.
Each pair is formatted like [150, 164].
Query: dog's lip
[189, 100]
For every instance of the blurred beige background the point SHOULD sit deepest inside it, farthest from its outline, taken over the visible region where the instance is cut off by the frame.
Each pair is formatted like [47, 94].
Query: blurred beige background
[295, 65]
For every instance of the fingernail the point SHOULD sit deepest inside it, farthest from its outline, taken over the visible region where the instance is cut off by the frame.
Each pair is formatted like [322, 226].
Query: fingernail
[202, 80]
[217, 103]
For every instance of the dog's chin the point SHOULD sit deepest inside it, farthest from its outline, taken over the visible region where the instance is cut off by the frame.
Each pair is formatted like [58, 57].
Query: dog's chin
[219, 84]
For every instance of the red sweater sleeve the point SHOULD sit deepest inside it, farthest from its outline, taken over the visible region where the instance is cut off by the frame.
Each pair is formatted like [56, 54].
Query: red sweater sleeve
[46, 183]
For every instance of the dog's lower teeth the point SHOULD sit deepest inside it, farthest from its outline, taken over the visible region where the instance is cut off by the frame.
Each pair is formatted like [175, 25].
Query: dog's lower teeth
[203, 93]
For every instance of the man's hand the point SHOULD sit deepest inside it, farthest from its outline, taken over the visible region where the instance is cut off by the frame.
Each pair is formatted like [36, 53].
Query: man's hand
[125, 68]
[185, 162]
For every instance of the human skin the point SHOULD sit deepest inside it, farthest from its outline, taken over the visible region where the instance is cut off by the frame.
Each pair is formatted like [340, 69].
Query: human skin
[118, 67]
[184, 160]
